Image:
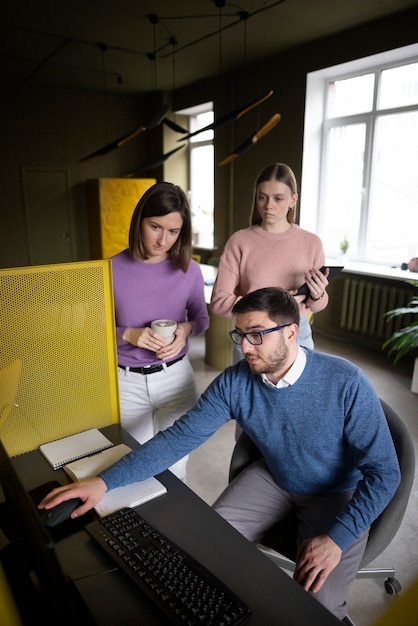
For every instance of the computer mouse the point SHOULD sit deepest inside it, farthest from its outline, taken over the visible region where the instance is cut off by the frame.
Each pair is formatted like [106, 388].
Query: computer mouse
[61, 512]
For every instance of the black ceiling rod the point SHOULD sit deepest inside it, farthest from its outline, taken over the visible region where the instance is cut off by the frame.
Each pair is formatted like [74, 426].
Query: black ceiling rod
[220, 4]
[173, 125]
[153, 19]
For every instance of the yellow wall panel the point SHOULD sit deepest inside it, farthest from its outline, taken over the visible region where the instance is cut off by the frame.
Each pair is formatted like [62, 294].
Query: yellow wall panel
[111, 203]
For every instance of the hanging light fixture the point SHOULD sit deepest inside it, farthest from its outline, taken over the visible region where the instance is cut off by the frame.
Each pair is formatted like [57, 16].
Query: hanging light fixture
[266, 128]
[248, 143]
[162, 158]
[168, 122]
[238, 113]
[154, 121]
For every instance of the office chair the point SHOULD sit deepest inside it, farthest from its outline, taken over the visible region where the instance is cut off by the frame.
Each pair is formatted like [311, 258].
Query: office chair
[280, 543]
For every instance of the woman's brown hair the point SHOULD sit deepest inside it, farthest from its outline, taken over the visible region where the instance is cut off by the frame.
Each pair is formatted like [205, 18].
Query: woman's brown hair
[162, 199]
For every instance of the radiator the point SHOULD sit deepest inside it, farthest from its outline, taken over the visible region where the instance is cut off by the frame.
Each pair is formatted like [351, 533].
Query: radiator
[364, 304]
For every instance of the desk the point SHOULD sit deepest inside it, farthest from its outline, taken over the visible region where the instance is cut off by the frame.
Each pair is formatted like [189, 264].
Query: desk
[276, 600]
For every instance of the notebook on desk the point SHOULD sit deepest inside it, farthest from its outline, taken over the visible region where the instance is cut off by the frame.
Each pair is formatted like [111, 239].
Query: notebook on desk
[130, 495]
[73, 447]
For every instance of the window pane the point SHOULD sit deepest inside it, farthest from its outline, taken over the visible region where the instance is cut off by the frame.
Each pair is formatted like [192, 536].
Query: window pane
[393, 219]
[200, 121]
[202, 195]
[399, 86]
[343, 187]
[350, 96]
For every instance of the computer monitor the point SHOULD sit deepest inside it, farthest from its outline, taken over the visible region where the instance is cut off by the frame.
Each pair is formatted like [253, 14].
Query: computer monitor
[42, 591]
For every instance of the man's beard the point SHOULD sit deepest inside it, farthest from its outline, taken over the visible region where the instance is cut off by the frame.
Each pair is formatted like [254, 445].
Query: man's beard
[273, 362]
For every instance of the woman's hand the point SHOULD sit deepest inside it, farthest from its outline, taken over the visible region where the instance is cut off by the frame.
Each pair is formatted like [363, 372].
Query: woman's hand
[150, 340]
[89, 490]
[413, 264]
[317, 283]
[144, 338]
[168, 353]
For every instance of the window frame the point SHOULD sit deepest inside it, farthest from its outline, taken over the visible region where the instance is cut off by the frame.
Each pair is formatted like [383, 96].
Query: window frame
[316, 129]
[193, 144]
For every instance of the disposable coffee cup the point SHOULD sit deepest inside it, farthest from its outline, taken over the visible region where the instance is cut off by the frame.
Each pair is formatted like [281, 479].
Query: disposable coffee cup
[165, 328]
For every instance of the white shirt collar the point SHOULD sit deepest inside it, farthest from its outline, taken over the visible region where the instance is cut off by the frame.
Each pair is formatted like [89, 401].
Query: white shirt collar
[294, 372]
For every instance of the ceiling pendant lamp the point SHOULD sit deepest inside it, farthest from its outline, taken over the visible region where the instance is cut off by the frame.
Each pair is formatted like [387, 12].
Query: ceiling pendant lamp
[170, 123]
[151, 123]
[249, 143]
[263, 130]
[162, 158]
[241, 111]
[231, 117]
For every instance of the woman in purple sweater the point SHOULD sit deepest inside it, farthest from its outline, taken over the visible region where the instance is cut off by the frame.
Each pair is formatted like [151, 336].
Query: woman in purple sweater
[156, 278]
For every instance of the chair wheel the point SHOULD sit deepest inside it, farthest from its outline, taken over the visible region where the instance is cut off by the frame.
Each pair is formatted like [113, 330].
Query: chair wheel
[392, 586]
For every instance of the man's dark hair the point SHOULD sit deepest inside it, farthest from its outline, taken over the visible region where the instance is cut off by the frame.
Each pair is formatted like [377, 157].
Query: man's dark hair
[280, 306]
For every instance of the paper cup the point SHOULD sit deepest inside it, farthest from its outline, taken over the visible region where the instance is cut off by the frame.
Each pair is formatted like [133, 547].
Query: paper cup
[165, 328]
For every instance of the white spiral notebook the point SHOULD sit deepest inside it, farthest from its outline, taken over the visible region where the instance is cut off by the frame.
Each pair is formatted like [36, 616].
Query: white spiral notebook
[115, 499]
[73, 447]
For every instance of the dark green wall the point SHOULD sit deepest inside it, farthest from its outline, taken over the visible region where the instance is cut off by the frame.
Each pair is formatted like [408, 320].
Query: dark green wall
[286, 75]
[46, 127]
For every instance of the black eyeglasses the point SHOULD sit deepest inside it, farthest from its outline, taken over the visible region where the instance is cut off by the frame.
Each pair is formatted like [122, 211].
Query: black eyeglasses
[254, 338]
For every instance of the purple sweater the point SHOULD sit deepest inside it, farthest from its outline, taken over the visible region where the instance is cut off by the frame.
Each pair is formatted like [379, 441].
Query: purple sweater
[144, 292]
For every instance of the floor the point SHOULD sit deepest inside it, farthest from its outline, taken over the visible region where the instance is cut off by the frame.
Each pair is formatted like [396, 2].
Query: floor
[207, 470]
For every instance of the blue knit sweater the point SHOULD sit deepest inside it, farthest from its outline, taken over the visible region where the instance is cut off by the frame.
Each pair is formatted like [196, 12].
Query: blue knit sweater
[327, 433]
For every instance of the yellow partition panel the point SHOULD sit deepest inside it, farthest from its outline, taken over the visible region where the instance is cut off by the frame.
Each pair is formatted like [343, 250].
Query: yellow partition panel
[58, 363]
[9, 613]
[111, 202]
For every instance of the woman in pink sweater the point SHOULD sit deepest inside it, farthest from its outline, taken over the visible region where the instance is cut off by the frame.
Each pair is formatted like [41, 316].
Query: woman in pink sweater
[272, 252]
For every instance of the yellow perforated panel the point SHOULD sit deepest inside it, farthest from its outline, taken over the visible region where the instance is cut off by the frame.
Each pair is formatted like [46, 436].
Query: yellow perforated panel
[57, 336]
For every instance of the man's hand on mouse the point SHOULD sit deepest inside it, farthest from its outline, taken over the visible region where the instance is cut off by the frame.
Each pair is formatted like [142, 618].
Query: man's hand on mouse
[89, 490]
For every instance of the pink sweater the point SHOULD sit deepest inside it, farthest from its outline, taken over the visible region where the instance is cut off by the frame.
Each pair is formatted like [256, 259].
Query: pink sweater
[254, 258]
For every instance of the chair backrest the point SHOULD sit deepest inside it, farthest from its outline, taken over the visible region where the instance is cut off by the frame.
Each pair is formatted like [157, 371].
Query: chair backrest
[385, 527]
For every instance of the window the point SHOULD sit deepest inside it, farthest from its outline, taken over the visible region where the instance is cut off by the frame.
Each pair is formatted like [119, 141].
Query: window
[201, 174]
[361, 158]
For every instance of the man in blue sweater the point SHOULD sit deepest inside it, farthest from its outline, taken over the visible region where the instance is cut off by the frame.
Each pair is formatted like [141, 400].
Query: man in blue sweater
[327, 450]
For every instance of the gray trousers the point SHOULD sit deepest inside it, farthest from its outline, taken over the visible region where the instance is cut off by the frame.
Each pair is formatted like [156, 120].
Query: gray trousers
[254, 502]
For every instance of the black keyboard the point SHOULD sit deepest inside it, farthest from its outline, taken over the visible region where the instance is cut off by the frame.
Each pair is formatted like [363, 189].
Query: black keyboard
[178, 584]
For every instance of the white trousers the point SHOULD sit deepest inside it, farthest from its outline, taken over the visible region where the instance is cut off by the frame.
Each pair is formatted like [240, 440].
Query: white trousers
[152, 402]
